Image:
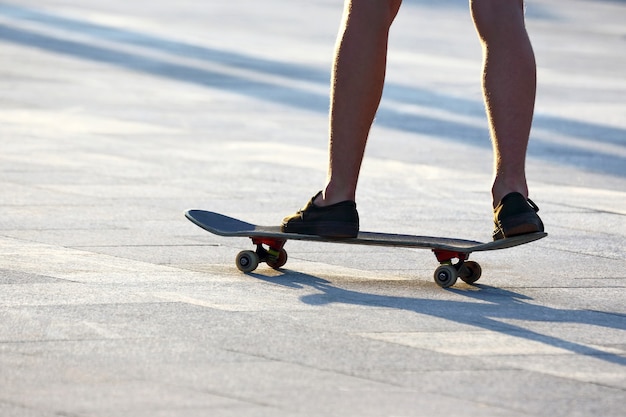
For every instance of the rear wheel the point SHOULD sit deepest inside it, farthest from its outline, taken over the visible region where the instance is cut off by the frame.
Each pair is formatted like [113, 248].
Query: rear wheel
[471, 272]
[279, 261]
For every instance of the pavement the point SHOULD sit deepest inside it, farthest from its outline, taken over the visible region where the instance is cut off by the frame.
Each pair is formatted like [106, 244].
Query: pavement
[117, 116]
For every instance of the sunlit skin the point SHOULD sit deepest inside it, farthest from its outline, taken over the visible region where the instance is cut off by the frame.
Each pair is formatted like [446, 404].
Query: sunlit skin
[509, 85]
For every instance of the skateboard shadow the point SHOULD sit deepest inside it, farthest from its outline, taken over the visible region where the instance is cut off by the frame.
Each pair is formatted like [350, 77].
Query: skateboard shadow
[482, 306]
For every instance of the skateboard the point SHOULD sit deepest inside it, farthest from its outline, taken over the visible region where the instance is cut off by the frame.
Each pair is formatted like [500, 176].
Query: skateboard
[452, 254]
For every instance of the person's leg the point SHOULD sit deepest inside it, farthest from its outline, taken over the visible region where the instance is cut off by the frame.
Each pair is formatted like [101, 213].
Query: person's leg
[356, 88]
[509, 85]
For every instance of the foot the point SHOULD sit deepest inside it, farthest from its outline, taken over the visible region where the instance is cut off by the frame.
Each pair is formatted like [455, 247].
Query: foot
[515, 215]
[339, 220]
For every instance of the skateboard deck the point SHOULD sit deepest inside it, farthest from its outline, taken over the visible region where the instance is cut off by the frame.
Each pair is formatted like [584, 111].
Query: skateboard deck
[270, 242]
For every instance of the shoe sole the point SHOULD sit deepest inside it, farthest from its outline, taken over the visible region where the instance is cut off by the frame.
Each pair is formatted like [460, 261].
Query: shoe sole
[518, 225]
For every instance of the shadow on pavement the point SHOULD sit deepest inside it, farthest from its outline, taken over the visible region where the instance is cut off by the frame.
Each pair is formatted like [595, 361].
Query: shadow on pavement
[259, 88]
[484, 308]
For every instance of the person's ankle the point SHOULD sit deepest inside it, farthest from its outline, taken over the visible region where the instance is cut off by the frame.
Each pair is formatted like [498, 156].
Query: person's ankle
[499, 191]
[328, 196]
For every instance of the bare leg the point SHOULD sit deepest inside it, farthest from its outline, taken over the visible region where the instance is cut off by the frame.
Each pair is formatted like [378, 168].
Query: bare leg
[509, 85]
[356, 88]
[357, 84]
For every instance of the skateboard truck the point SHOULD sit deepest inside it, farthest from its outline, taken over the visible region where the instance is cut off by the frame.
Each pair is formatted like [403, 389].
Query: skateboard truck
[448, 272]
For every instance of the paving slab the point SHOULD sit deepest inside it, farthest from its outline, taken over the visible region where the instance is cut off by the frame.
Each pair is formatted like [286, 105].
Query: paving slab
[116, 117]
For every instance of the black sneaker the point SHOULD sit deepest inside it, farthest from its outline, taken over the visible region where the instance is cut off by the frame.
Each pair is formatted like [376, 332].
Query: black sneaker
[516, 215]
[339, 220]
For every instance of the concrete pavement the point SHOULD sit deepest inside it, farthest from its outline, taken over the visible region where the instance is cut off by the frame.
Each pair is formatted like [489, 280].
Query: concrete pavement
[115, 117]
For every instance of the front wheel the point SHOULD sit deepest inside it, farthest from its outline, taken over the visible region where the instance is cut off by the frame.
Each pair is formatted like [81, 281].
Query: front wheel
[247, 261]
[446, 276]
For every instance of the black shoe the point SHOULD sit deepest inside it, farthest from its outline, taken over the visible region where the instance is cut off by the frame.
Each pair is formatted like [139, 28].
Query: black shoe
[516, 215]
[339, 220]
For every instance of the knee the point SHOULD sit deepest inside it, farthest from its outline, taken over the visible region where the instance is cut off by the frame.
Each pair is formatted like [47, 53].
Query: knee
[493, 18]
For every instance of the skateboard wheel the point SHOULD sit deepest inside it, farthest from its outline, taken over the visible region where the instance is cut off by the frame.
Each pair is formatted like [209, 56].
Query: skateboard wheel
[470, 272]
[247, 261]
[446, 276]
[279, 261]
